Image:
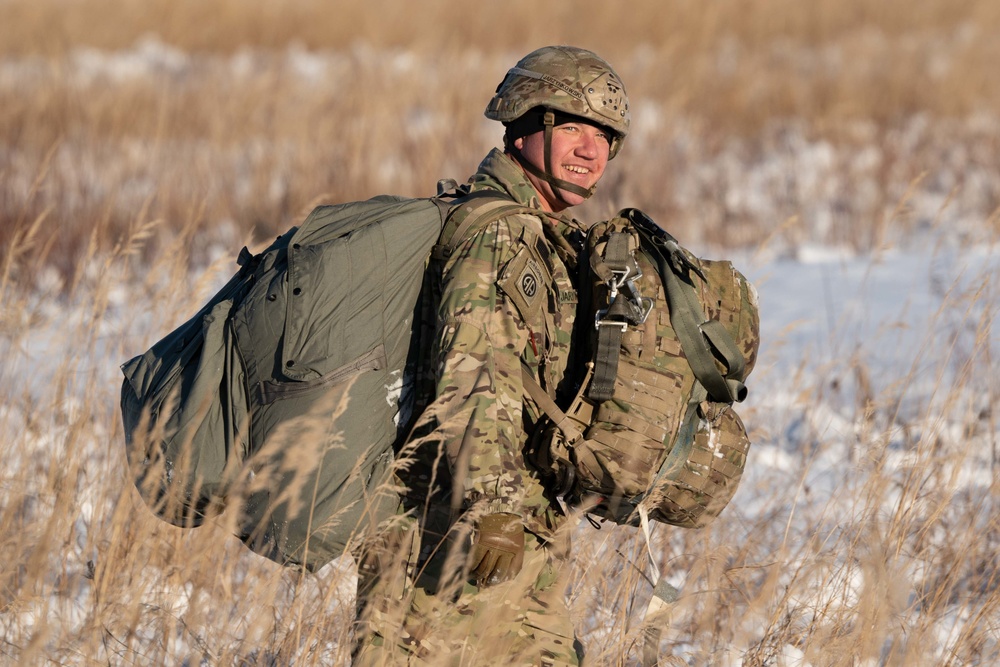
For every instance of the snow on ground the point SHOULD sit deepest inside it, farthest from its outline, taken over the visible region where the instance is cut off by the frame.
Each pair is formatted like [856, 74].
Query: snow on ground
[869, 362]
[871, 367]
[906, 322]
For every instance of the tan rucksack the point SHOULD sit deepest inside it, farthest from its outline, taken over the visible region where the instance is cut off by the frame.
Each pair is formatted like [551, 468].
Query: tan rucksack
[652, 430]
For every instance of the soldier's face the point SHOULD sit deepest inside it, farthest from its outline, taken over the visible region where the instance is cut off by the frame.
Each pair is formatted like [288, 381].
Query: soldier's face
[579, 156]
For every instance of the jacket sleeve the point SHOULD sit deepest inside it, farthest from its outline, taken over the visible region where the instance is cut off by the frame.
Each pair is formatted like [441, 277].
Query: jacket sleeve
[477, 404]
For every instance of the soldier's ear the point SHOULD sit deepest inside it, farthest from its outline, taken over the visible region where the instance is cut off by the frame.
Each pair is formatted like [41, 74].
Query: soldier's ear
[519, 143]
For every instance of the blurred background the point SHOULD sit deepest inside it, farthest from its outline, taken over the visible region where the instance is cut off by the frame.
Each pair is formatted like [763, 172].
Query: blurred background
[845, 153]
[845, 122]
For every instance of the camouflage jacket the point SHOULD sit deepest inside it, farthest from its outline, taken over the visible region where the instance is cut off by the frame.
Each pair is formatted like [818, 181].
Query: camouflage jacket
[506, 294]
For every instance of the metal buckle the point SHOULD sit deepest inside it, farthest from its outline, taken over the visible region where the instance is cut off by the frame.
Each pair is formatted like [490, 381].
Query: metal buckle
[647, 308]
[627, 276]
[626, 279]
[598, 322]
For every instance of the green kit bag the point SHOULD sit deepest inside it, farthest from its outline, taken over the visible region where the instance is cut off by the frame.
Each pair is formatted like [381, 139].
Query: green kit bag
[286, 390]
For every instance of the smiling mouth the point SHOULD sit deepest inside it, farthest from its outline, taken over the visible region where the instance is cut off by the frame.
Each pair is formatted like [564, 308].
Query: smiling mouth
[576, 170]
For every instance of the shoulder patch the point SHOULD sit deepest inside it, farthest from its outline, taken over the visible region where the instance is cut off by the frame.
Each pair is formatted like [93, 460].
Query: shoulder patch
[522, 280]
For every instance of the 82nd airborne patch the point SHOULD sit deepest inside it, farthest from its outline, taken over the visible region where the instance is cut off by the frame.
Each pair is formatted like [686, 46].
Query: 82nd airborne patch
[521, 281]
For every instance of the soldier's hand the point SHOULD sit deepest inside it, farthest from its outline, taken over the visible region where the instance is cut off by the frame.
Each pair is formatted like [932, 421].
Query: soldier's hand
[498, 550]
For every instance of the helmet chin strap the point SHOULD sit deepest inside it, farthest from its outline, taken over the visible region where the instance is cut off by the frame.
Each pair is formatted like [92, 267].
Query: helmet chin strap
[549, 120]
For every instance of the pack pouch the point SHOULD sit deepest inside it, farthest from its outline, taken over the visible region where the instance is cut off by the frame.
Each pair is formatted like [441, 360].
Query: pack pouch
[180, 414]
[652, 426]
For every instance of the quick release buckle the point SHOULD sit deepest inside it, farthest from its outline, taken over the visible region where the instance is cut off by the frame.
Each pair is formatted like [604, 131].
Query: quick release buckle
[615, 283]
[638, 307]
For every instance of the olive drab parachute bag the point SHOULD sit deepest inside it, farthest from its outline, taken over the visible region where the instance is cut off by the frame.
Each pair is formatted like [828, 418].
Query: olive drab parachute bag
[652, 433]
[284, 390]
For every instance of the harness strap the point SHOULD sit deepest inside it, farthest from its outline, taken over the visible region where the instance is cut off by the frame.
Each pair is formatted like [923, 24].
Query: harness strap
[545, 403]
[704, 341]
[609, 341]
[492, 207]
[685, 311]
[612, 324]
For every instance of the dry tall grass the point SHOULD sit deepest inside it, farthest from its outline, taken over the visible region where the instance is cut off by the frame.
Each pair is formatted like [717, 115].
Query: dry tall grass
[145, 141]
[246, 114]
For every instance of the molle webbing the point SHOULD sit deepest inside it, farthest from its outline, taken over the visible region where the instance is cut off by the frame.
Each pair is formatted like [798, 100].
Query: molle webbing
[702, 472]
[633, 422]
[660, 438]
[703, 340]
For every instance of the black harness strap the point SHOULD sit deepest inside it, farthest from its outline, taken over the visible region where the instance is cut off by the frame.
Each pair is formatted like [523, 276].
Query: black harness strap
[611, 323]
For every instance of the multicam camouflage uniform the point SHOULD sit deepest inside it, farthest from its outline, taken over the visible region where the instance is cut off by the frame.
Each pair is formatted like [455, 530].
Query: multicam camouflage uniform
[506, 296]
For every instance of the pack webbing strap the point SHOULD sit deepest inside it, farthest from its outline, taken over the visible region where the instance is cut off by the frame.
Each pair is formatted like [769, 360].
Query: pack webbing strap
[612, 324]
[683, 444]
[702, 340]
[684, 306]
[548, 406]
[609, 341]
[494, 205]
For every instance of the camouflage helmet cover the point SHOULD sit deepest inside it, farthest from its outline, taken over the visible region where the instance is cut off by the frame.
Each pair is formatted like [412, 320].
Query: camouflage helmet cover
[568, 79]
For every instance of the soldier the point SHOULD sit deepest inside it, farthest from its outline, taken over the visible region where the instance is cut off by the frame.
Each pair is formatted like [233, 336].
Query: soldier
[474, 573]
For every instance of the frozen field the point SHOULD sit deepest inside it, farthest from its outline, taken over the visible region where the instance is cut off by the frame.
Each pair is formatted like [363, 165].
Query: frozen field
[867, 522]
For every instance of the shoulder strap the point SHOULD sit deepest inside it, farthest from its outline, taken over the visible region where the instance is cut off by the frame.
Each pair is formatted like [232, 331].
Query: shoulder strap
[470, 213]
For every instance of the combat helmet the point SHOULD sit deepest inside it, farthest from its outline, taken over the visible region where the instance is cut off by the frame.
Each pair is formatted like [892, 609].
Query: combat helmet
[563, 80]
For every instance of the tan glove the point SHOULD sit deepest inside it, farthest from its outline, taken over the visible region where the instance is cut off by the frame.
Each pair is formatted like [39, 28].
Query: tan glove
[498, 550]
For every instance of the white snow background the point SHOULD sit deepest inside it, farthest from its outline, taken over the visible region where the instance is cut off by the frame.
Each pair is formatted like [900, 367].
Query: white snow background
[871, 366]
